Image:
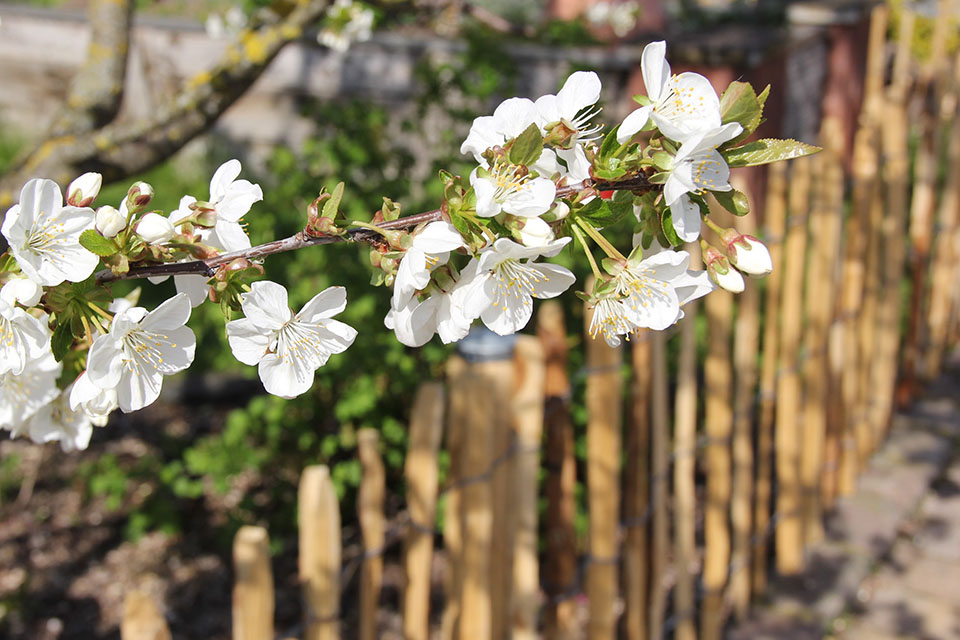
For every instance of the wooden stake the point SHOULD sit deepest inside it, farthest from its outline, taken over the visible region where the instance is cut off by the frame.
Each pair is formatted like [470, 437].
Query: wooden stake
[603, 481]
[776, 211]
[499, 374]
[370, 513]
[473, 395]
[824, 225]
[528, 402]
[560, 555]
[684, 466]
[659, 467]
[718, 425]
[420, 470]
[453, 517]
[789, 532]
[320, 553]
[859, 253]
[636, 502]
[253, 585]
[141, 619]
[746, 346]
[944, 263]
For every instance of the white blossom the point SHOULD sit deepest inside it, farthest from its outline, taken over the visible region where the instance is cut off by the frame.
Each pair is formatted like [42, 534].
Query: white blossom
[648, 293]
[511, 118]
[681, 105]
[288, 348]
[23, 394]
[436, 312]
[698, 166]
[431, 248]
[23, 336]
[504, 280]
[507, 188]
[140, 349]
[346, 22]
[44, 236]
[57, 422]
[94, 402]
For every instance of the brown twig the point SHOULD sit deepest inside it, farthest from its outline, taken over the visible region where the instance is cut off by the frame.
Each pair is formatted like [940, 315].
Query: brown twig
[302, 240]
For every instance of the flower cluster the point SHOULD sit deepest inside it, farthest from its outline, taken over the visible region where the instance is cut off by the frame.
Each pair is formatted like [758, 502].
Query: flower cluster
[547, 178]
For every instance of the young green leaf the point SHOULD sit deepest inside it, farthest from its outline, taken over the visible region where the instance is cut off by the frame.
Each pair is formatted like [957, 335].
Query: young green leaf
[766, 151]
[95, 243]
[61, 341]
[734, 201]
[332, 206]
[666, 223]
[526, 147]
[739, 103]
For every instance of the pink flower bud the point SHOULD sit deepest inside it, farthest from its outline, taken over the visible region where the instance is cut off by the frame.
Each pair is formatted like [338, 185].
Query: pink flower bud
[83, 191]
[750, 256]
[140, 194]
[720, 270]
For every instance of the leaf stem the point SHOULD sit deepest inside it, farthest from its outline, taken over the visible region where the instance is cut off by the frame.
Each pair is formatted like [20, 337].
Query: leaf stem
[586, 250]
[597, 237]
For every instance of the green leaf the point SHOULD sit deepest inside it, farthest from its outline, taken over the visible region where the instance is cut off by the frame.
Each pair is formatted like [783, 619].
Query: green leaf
[603, 213]
[95, 243]
[611, 174]
[666, 223]
[526, 147]
[332, 206]
[766, 151]
[609, 145]
[739, 103]
[734, 201]
[61, 341]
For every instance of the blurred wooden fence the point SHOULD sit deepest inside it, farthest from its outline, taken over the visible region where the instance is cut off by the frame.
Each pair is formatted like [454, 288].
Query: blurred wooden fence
[799, 380]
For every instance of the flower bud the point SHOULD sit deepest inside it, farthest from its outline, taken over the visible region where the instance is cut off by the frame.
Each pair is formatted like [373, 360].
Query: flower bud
[718, 266]
[155, 229]
[83, 191]
[109, 221]
[535, 233]
[139, 195]
[750, 256]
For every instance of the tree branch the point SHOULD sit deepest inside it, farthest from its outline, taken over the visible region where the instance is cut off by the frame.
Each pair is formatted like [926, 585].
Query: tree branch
[119, 149]
[300, 240]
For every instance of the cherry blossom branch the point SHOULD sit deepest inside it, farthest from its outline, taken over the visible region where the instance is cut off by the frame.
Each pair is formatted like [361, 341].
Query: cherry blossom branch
[301, 239]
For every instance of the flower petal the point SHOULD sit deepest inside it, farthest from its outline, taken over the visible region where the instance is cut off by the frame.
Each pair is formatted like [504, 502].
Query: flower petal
[170, 315]
[286, 378]
[325, 304]
[655, 69]
[248, 342]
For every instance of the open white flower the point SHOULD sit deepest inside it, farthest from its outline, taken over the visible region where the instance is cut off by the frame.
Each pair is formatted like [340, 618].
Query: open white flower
[440, 312]
[140, 349]
[288, 348]
[57, 422]
[574, 106]
[648, 293]
[431, 248]
[23, 394]
[511, 118]
[699, 167]
[230, 199]
[505, 280]
[23, 336]
[45, 236]
[507, 188]
[681, 105]
[89, 399]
